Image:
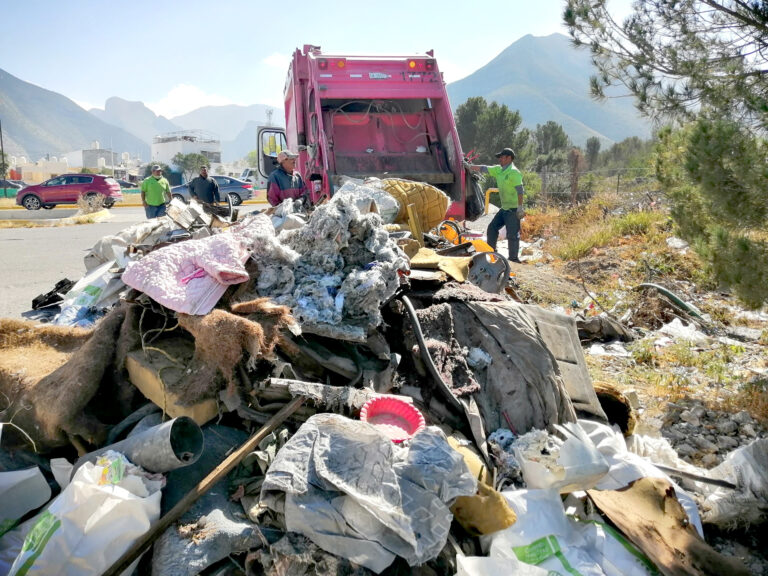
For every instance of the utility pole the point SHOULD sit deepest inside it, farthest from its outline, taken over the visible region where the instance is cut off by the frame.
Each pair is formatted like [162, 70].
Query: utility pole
[2, 150]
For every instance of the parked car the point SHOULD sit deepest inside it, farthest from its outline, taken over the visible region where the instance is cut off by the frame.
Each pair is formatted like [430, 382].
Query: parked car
[66, 189]
[127, 184]
[9, 184]
[238, 190]
[21, 183]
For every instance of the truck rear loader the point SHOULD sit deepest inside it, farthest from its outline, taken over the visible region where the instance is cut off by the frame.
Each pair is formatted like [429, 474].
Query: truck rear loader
[368, 116]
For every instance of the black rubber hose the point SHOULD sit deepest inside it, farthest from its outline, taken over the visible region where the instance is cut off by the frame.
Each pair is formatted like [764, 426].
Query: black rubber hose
[427, 357]
[130, 420]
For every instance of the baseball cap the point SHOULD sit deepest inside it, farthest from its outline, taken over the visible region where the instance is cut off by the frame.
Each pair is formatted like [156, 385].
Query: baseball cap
[156, 167]
[506, 152]
[285, 155]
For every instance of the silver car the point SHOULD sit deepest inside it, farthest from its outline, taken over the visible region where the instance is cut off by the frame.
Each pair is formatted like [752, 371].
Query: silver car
[237, 190]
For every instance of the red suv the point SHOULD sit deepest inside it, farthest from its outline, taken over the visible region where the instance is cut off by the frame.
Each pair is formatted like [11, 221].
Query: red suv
[66, 189]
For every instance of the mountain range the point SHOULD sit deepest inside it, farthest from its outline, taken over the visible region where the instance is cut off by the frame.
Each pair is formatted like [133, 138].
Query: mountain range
[38, 122]
[545, 78]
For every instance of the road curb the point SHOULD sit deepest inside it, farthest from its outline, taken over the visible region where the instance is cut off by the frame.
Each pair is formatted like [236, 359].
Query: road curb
[94, 218]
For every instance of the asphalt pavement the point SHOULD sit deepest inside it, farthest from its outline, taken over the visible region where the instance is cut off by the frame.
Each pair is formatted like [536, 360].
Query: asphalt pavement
[33, 260]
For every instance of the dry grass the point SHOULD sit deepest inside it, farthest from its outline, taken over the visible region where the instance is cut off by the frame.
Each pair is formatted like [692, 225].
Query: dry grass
[579, 239]
[539, 224]
[20, 333]
[90, 204]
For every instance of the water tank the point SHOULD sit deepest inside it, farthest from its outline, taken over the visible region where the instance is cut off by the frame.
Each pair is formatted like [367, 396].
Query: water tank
[95, 145]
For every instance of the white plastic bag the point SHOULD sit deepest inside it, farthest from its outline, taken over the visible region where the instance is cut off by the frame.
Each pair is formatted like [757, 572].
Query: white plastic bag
[544, 541]
[106, 507]
[612, 552]
[626, 467]
[98, 288]
[549, 462]
[542, 536]
[747, 467]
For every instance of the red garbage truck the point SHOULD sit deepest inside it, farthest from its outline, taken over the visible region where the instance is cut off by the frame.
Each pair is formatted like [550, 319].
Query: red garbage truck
[361, 116]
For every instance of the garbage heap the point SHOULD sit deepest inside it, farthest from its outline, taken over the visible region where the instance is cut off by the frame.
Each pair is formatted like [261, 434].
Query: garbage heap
[326, 392]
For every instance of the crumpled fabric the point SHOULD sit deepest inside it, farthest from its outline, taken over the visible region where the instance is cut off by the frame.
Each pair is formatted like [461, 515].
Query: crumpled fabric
[338, 268]
[350, 490]
[190, 277]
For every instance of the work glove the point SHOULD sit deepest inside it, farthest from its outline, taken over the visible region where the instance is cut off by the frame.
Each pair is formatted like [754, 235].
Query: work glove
[520, 212]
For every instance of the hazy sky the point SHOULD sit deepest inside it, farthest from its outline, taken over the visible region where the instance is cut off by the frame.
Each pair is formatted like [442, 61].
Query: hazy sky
[176, 56]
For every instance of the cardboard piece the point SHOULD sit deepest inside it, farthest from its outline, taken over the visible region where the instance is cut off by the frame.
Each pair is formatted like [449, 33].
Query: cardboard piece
[145, 374]
[650, 515]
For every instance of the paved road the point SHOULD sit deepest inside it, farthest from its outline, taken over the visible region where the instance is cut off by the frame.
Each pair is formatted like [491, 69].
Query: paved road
[32, 260]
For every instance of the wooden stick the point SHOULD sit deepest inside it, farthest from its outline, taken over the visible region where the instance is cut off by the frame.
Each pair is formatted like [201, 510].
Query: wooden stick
[414, 224]
[141, 545]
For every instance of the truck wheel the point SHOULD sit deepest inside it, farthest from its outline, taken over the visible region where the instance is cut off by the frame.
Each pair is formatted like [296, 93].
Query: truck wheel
[31, 202]
[236, 200]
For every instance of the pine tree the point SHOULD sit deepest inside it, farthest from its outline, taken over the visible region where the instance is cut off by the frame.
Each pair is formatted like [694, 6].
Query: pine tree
[678, 57]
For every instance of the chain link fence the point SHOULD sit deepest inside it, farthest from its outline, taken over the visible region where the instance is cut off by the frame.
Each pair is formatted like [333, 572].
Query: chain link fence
[559, 188]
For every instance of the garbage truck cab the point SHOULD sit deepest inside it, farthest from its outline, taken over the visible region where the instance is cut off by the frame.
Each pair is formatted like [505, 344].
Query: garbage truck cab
[271, 140]
[361, 116]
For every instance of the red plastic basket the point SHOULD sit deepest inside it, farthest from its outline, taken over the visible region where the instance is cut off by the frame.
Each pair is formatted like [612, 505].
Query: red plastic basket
[396, 419]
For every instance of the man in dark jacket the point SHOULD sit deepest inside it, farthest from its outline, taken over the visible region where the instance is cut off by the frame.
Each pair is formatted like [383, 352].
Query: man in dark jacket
[285, 182]
[204, 188]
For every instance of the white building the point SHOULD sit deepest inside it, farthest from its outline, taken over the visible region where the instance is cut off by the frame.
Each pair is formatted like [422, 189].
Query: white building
[92, 158]
[166, 146]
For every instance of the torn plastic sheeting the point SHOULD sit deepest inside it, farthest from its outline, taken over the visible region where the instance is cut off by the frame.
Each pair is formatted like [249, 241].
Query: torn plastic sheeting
[114, 247]
[680, 332]
[626, 467]
[546, 541]
[344, 485]
[748, 468]
[542, 536]
[549, 462]
[99, 288]
[95, 519]
[21, 491]
[614, 349]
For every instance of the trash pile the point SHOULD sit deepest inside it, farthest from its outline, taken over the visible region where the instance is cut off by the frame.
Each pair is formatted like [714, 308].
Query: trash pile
[348, 389]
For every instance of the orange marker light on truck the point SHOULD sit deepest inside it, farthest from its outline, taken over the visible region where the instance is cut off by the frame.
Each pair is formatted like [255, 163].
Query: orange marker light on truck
[341, 63]
[411, 64]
